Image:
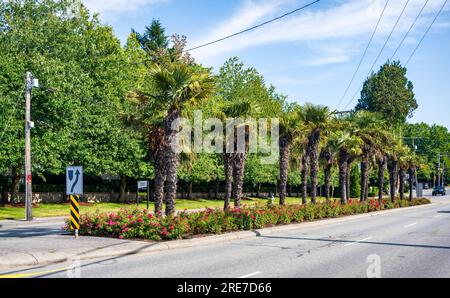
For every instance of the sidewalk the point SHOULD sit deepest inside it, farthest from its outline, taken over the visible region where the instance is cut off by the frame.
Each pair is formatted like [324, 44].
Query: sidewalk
[44, 242]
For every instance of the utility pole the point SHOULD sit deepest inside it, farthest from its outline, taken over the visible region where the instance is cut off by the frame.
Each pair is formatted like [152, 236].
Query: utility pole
[30, 83]
[439, 169]
[443, 174]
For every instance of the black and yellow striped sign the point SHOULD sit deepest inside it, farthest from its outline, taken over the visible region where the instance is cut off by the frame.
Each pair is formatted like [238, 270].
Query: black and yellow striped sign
[75, 212]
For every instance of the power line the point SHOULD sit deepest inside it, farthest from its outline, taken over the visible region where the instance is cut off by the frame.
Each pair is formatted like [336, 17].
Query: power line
[254, 27]
[426, 33]
[364, 55]
[415, 50]
[381, 51]
[409, 30]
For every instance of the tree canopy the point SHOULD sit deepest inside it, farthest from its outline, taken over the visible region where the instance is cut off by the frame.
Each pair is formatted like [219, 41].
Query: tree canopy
[390, 93]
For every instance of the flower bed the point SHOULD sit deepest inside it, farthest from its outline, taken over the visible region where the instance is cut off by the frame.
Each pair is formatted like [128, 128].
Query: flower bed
[138, 224]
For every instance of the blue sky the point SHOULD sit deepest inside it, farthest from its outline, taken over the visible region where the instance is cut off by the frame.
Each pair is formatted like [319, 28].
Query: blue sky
[312, 55]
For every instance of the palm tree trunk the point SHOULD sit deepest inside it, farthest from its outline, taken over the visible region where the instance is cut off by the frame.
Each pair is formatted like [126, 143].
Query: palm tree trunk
[327, 172]
[228, 162]
[160, 179]
[411, 184]
[172, 161]
[304, 188]
[393, 176]
[343, 176]
[284, 168]
[364, 179]
[402, 176]
[314, 157]
[366, 188]
[239, 168]
[171, 182]
[347, 179]
[381, 168]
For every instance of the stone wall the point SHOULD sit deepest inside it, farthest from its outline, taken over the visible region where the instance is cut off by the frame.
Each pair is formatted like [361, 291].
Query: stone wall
[54, 197]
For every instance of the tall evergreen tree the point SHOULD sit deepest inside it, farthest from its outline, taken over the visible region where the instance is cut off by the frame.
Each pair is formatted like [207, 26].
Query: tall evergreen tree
[390, 93]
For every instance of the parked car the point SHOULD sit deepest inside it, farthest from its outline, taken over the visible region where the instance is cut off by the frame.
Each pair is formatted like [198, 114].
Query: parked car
[439, 190]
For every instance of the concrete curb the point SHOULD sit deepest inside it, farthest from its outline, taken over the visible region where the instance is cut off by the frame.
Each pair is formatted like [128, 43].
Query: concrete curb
[128, 248]
[36, 222]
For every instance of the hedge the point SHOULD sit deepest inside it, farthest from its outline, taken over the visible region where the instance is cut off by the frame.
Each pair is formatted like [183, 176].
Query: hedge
[139, 224]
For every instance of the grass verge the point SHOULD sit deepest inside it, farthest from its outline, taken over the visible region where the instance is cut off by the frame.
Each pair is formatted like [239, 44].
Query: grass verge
[11, 212]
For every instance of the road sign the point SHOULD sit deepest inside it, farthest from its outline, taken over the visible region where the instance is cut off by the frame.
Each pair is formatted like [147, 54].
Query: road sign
[142, 184]
[74, 181]
[75, 213]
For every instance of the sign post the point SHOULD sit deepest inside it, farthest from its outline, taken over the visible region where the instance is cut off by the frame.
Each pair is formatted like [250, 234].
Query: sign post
[74, 188]
[144, 185]
[419, 190]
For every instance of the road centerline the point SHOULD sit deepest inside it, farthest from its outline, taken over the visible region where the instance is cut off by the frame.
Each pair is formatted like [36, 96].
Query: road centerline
[360, 241]
[410, 225]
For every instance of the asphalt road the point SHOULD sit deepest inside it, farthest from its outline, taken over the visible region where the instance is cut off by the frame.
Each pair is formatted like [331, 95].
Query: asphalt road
[407, 243]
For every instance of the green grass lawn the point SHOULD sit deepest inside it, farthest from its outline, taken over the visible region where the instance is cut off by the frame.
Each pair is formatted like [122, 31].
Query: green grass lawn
[50, 210]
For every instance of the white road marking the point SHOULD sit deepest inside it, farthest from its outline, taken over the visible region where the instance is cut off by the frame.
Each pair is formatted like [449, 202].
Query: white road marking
[356, 242]
[250, 275]
[410, 225]
[437, 216]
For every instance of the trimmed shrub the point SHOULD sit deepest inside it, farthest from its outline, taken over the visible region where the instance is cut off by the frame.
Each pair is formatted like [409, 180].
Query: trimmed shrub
[139, 224]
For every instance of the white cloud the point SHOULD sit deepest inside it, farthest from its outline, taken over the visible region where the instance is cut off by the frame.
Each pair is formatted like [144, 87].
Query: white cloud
[345, 22]
[118, 6]
[339, 58]
[444, 25]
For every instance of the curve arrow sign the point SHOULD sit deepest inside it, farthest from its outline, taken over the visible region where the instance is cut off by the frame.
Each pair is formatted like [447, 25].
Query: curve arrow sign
[77, 174]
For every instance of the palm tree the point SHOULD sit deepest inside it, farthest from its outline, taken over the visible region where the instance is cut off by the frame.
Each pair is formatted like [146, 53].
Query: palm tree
[316, 119]
[329, 153]
[349, 146]
[393, 166]
[242, 94]
[149, 118]
[235, 162]
[371, 128]
[414, 162]
[404, 160]
[304, 169]
[290, 130]
[177, 85]
[381, 159]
